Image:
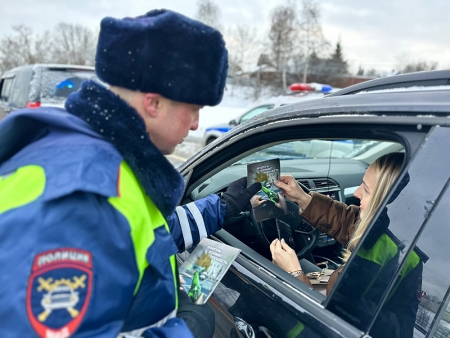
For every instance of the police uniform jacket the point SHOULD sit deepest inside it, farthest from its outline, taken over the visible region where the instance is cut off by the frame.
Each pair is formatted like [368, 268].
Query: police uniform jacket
[89, 224]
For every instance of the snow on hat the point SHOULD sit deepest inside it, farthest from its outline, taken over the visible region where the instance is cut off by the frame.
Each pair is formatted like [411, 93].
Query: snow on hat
[163, 52]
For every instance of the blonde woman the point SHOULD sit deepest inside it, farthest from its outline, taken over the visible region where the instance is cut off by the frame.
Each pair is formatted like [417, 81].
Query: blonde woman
[378, 256]
[345, 223]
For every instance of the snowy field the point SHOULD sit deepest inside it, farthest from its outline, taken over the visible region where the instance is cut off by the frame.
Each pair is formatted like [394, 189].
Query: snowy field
[235, 102]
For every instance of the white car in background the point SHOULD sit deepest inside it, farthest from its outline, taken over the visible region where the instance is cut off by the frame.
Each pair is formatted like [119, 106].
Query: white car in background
[300, 92]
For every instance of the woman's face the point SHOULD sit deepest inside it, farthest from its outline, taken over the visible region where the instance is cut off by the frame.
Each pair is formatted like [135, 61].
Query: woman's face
[364, 191]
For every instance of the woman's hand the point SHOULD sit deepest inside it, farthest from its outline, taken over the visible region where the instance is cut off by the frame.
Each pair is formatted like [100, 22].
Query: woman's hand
[293, 191]
[284, 256]
[256, 201]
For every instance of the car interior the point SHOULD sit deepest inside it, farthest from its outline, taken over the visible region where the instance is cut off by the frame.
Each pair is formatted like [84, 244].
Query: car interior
[333, 167]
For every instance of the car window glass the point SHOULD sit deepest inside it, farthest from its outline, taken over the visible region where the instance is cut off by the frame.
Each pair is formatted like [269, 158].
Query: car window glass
[316, 149]
[433, 315]
[386, 269]
[255, 112]
[55, 85]
[6, 90]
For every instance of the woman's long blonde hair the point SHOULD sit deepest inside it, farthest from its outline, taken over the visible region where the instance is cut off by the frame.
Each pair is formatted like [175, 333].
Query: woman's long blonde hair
[387, 168]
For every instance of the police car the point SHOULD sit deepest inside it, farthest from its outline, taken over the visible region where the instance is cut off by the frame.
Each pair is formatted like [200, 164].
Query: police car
[299, 92]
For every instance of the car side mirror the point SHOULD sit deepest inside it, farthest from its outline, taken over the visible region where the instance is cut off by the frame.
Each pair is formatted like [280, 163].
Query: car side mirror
[233, 123]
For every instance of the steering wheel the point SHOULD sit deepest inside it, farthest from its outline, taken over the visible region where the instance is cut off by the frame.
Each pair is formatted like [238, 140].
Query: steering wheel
[298, 234]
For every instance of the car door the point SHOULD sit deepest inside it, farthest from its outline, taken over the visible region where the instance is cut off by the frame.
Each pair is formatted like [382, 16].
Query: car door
[257, 291]
[415, 216]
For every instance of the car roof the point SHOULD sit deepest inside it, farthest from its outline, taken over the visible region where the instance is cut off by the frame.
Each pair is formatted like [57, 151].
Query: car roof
[49, 65]
[417, 79]
[282, 100]
[412, 94]
[430, 102]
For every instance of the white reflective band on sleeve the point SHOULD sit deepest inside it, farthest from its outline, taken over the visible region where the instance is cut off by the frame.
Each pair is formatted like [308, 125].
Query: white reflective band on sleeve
[185, 228]
[198, 219]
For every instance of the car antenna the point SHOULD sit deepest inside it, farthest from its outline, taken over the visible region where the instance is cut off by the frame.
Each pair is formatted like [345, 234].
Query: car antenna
[329, 166]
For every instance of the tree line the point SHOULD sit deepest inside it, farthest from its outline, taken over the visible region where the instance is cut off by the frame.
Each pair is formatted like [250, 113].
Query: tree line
[67, 44]
[292, 49]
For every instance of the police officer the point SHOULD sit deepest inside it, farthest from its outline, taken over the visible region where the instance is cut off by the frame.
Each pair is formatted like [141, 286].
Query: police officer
[88, 226]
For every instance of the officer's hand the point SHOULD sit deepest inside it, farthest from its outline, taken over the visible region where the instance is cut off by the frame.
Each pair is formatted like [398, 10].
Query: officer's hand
[237, 196]
[199, 318]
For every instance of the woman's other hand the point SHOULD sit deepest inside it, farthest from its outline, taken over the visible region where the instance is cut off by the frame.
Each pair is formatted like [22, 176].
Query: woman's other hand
[256, 201]
[284, 256]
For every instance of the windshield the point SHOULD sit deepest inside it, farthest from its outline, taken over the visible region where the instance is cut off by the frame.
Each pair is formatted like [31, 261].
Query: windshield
[314, 149]
[55, 85]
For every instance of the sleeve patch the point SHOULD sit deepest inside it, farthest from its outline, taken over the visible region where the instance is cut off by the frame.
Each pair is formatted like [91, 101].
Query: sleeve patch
[59, 290]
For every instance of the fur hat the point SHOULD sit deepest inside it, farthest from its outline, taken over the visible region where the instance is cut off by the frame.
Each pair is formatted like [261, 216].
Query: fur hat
[163, 52]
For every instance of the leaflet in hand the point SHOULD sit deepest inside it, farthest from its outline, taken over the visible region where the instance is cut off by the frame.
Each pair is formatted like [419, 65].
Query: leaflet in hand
[266, 172]
[205, 267]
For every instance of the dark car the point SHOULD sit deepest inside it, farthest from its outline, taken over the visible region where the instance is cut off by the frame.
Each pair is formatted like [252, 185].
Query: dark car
[404, 113]
[38, 85]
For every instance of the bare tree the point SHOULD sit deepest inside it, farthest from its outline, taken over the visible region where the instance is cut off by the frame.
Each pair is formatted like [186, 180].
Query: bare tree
[209, 13]
[419, 66]
[407, 65]
[311, 36]
[242, 44]
[23, 47]
[372, 72]
[74, 44]
[282, 37]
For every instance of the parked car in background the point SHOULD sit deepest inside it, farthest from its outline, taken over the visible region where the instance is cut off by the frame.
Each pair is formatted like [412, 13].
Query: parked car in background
[404, 113]
[299, 92]
[38, 85]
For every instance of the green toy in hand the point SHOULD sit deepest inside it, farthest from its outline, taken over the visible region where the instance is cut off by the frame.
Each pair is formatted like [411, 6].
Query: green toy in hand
[272, 195]
[196, 289]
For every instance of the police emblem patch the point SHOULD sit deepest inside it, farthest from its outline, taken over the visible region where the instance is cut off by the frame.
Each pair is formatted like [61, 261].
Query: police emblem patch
[59, 291]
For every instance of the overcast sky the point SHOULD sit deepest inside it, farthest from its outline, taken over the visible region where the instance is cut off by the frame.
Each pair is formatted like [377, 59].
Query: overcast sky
[374, 34]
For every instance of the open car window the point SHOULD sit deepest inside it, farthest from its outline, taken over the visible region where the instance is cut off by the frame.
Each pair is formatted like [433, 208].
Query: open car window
[334, 168]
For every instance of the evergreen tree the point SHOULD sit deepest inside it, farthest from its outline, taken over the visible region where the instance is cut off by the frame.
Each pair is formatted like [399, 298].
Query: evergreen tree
[336, 63]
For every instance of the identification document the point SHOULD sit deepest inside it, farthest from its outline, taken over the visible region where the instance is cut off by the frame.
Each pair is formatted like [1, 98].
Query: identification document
[266, 172]
[202, 271]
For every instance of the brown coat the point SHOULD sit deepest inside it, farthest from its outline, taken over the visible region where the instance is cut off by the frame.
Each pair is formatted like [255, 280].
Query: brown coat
[335, 219]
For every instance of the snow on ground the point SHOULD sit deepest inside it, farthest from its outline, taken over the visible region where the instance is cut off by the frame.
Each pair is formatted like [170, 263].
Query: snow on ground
[236, 100]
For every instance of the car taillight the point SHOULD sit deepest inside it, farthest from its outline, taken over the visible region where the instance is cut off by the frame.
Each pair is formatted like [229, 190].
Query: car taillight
[33, 104]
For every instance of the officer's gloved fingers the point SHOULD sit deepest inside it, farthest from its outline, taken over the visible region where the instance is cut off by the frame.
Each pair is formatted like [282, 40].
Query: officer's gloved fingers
[237, 196]
[199, 318]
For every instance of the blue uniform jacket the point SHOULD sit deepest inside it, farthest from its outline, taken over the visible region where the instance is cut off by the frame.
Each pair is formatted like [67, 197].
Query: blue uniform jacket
[68, 261]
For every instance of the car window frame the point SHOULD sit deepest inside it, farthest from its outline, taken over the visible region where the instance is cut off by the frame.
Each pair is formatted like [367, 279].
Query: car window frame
[8, 84]
[432, 135]
[400, 131]
[436, 321]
